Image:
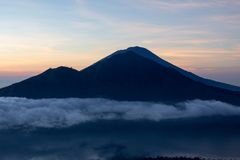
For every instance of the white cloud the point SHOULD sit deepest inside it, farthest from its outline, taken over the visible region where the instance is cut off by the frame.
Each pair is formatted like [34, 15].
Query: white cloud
[50, 113]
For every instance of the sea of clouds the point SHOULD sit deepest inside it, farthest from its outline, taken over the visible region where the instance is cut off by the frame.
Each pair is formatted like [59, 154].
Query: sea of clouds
[52, 113]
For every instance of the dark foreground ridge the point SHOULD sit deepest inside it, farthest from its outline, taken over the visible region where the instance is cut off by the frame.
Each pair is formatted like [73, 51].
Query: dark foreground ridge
[134, 74]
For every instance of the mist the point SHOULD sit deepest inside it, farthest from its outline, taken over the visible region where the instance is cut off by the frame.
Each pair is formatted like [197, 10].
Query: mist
[57, 113]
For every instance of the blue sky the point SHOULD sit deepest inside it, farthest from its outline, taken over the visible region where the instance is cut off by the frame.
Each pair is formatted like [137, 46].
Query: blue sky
[202, 36]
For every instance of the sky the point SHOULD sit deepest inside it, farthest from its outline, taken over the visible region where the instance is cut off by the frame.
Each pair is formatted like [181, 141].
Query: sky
[201, 36]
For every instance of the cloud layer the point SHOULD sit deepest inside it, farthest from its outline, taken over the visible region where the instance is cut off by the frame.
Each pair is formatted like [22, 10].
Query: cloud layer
[51, 113]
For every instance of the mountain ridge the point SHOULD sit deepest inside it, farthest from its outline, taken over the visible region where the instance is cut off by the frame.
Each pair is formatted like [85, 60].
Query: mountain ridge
[161, 61]
[133, 74]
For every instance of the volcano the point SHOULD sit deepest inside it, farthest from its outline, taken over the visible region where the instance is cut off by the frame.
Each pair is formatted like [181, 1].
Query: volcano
[133, 74]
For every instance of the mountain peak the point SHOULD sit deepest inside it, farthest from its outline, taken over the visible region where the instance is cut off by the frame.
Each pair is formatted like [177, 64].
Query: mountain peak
[141, 51]
[138, 50]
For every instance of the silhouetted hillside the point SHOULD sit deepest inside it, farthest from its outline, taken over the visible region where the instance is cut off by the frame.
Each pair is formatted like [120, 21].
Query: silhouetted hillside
[134, 74]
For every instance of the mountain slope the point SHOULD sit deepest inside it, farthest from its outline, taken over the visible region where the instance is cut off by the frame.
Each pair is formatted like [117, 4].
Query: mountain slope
[146, 53]
[131, 74]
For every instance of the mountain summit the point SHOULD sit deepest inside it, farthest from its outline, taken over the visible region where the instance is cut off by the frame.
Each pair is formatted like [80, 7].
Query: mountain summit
[133, 74]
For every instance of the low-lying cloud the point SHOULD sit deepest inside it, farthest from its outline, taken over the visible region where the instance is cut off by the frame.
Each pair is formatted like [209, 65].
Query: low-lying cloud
[51, 113]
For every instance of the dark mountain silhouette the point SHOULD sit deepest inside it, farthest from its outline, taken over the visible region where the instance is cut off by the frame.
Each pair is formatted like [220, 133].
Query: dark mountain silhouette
[134, 74]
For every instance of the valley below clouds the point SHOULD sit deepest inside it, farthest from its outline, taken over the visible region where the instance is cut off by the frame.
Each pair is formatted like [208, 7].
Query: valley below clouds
[103, 129]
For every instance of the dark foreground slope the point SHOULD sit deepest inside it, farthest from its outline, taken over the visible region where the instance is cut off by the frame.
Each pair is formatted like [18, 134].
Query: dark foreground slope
[131, 74]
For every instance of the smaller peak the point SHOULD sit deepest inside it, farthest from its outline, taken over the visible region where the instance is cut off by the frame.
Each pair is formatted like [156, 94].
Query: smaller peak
[64, 68]
[61, 69]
